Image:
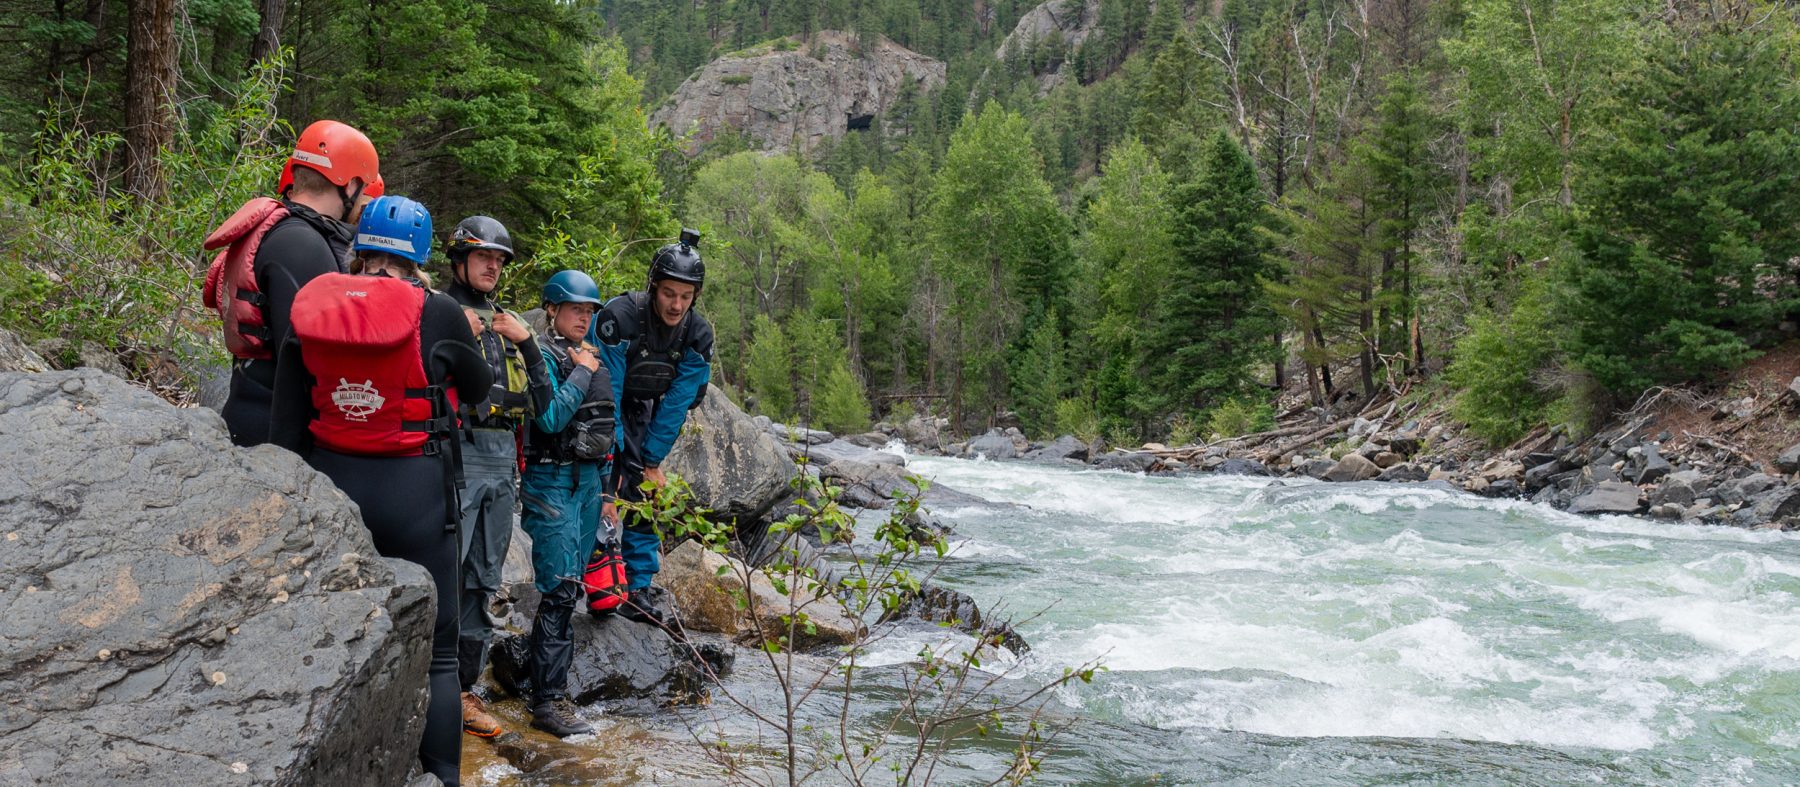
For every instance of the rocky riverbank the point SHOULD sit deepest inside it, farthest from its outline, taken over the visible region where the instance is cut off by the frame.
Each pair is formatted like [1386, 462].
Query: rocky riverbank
[1678, 456]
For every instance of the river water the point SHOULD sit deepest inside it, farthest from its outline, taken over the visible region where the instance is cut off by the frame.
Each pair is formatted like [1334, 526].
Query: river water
[1266, 631]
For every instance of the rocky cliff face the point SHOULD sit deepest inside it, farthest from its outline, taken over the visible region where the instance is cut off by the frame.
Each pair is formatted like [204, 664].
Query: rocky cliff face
[796, 93]
[1075, 20]
[173, 608]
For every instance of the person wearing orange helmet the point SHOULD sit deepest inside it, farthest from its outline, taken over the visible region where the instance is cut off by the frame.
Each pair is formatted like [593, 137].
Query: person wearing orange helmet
[271, 248]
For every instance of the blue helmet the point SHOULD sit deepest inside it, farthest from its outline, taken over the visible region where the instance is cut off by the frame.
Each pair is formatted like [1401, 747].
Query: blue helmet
[396, 225]
[571, 287]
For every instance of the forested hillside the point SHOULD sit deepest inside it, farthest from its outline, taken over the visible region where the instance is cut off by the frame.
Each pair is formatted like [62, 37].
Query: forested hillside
[1129, 219]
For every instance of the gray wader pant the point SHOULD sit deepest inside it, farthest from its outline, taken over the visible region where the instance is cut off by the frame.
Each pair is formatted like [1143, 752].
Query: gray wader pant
[491, 471]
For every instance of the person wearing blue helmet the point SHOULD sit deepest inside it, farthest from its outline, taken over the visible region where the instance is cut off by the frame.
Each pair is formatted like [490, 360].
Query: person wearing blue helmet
[393, 238]
[568, 450]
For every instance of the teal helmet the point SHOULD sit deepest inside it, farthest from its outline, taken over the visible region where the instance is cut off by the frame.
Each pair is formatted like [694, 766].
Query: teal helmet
[571, 286]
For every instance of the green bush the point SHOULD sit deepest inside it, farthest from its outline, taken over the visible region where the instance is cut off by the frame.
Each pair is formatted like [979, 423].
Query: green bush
[82, 260]
[1499, 365]
[1239, 417]
[735, 80]
[1076, 417]
[840, 406]
[769, 370]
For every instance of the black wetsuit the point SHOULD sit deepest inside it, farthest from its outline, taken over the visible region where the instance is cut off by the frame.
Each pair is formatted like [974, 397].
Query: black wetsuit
[403, 503]
[297, 249]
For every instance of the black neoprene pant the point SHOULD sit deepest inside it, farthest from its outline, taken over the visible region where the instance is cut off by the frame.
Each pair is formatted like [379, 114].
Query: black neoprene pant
[402, 500]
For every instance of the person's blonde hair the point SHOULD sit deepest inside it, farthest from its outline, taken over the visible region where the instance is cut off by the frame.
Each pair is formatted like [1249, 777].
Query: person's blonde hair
[413, 269]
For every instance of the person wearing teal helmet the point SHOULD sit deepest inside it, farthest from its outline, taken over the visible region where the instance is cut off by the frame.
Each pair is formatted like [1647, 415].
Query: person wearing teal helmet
[568, 453]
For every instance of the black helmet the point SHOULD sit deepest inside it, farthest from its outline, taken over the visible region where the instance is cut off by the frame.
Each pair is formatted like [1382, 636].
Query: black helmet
[479, 232]
[680, 261]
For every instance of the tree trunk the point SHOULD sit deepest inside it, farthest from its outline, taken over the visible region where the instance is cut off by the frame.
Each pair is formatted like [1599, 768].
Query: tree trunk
[268, 32]
[149, 94]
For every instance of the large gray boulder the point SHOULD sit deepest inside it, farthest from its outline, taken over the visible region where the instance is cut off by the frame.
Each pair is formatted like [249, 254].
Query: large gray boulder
[884, 481]
[924, 433]
[616, 661]
[796, 93]
[1609, 497]
[178, 609]
[1060, 449]
[709, 587]
[837, 450]
[736, 469]
[16, 356]
[993, 445]
[1354, 467]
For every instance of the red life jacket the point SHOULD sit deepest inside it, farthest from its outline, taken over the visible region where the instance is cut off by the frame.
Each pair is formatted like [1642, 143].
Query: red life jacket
[231, 280]
[359, 337]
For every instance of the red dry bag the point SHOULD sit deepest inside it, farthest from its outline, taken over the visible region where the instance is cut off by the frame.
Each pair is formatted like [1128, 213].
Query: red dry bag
[605, 579]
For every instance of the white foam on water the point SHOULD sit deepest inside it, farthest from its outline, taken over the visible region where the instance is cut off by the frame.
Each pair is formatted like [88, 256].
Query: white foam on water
[1316, 610]
[496, 773]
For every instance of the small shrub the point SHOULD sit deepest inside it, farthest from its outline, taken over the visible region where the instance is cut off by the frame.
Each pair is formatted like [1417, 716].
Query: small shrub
[1076, 417]
[735, 80]
[1499, 364]
[1238, 417]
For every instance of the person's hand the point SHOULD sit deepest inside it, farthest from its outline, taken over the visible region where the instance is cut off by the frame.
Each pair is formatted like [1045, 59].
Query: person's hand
[655, 476]
[609, 513]
[509, 326]
[474, 320]
[584, 358]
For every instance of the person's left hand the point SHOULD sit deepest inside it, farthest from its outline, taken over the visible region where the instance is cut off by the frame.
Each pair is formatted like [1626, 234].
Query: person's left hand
[509, 326]
[609, 513]
[655, 476]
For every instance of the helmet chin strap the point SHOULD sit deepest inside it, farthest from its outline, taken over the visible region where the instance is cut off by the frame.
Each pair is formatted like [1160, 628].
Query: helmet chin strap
[349, 200]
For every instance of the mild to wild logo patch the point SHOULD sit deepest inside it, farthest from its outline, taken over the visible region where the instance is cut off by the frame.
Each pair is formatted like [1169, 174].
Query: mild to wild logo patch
[357, 401]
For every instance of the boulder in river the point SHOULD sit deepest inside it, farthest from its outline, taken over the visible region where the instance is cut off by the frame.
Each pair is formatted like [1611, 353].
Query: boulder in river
[616, 661]
[938, 604]
[180, 609]
[993, 445]
[1354, 467]
[1609, 497]
[736, 469]
[709, 587]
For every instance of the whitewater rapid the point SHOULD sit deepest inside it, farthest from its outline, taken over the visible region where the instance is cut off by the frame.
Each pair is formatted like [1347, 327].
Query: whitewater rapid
[1320, 628]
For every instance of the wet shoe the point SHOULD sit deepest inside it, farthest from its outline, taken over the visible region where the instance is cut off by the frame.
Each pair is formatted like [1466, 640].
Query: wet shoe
[476, 720]
[558, 718]
[650, 605]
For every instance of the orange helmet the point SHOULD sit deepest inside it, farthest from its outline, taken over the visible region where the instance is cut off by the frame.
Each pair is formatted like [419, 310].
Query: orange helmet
[338, 152]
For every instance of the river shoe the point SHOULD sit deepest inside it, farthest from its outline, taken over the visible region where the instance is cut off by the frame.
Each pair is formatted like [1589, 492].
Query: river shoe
[558, 718]
[476, 720]
[650, 605]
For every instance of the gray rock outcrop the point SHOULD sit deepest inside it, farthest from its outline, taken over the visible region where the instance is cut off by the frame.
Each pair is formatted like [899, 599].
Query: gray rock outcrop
[735, 468]
[797, 93]
[1074, 21]
[178, 609]
[16, 356]
[709, 586]
[1609, 497]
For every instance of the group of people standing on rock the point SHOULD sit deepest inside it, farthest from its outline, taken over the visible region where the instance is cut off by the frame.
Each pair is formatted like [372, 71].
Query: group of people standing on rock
[428, 407]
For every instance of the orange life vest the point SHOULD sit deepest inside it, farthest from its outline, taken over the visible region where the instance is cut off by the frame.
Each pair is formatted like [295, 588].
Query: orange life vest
[231, 288]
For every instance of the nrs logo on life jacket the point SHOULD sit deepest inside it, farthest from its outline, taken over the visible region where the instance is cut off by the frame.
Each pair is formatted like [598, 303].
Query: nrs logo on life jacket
[367, 328]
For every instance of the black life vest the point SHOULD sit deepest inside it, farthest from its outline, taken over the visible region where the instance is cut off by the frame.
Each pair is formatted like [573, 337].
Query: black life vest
[588, 437]
[649, 370]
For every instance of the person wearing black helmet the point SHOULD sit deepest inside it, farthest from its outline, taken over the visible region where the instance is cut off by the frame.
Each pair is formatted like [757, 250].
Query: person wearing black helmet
[479, 248]
[658, 349]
